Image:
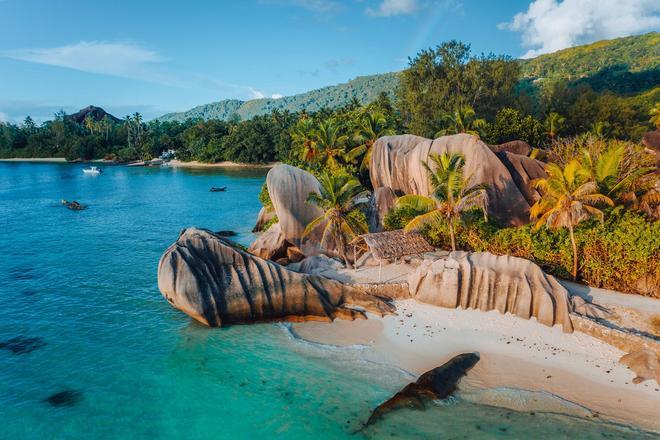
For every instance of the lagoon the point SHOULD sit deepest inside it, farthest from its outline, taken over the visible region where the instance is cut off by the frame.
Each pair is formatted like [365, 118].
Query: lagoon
[84, 284]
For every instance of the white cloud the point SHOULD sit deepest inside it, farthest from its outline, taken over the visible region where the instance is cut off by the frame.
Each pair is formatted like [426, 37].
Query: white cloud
[276, 96]
[551, 25]
[118, 59]
[4, 117]
[389, 8]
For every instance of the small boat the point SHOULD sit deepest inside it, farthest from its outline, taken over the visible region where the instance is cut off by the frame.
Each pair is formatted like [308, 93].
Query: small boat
[215, 189]
[92, 170]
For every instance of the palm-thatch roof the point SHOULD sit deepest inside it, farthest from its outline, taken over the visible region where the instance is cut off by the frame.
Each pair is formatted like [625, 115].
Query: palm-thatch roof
[391, 245]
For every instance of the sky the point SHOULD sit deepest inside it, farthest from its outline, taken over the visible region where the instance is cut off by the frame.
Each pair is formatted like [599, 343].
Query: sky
[158, 56]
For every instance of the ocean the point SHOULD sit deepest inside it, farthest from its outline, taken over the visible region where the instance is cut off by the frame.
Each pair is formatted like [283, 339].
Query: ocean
[90, 349]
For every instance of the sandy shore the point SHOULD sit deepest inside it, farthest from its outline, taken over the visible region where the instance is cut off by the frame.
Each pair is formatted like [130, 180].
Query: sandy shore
[515, 353]
[226, 164]
[34, 159]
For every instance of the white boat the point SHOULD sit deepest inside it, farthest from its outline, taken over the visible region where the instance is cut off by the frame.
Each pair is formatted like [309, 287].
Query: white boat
[92, 170]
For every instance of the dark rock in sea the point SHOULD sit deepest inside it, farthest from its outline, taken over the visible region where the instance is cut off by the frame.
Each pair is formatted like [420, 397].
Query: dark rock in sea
[227, 233]
[439, 383]
[210, 279]
[64, 398]
[22, 345]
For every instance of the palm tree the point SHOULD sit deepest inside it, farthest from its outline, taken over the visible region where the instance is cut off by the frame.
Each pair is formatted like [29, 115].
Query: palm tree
[337, 198]
[655, 115]
[330, 144]
[452, 195]
[554, 123]
[372, 126]
[568, 197]
[633, 186]
[601, 129]
[462, 120]
[302, 137]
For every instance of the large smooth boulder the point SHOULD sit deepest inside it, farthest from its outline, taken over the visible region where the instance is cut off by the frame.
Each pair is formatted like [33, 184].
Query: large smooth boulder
[484, 281]
[516, 147]
[206, 277]
[523, 170]
[382, 200]
[288, 188]
[396, 163]
[271, 244]
[265, 215]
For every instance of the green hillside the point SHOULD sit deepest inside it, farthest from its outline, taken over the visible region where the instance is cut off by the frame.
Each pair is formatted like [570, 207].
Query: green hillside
[364, 88]
[627, 66]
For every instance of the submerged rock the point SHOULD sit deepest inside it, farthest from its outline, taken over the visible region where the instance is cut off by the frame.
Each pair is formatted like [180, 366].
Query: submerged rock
[396, 163]
[438, 383]
[484, 281]
[206, 277]
[64, 398]
[22, 345]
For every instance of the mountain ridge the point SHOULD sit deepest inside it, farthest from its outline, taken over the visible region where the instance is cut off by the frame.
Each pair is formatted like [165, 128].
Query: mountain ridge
[618, 58]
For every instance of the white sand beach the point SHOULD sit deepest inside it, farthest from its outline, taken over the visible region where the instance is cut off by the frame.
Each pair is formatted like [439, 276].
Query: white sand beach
[225, 164]
[34, 159]
[515, 353]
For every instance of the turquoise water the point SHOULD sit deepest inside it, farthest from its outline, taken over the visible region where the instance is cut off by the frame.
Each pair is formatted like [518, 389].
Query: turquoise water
[84, 284]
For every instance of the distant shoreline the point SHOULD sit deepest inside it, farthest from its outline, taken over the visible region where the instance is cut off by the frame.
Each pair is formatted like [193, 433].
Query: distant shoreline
[174, 163]
[35, 159]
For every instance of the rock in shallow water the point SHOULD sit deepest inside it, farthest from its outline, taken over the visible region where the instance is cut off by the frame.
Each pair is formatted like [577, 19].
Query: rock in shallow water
[207, 278]
[484, 281]
[438, 383]
[64, 398]
[22, 345]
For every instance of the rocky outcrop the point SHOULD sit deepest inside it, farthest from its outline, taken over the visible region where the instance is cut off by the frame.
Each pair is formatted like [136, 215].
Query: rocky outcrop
[523, 170]
[206, 277]
[271, 245]
[644, 363]
[288, 188]
[436, 384]
[265, 215]
[516, 147]
[486, 282]
[396, 163]
[382, 200]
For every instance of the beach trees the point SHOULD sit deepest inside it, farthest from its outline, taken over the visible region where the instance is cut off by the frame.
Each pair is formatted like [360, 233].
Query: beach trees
[330, 144]
[340, 221]
[569, 196]
[372, 126]
[452, 195]
[302, 138]
[462, 120]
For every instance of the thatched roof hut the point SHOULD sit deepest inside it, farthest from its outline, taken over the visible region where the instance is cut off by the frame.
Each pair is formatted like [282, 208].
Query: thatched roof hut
[392, 245]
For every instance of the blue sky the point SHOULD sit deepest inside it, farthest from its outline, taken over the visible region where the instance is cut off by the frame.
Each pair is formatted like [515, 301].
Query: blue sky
[160, 56]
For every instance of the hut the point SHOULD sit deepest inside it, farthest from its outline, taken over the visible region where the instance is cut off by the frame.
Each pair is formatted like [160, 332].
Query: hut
[391, 246]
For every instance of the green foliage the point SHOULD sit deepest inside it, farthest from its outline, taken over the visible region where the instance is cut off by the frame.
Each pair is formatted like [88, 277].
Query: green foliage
[264, 197]
[510, 124]
[440, 80]
[399, 216]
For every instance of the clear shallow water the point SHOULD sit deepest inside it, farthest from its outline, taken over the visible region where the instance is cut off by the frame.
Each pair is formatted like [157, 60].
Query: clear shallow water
[85, 283]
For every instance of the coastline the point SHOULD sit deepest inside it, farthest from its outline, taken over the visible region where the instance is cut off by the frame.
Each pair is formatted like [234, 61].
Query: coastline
[225, 164]
[515, 354]
[35, 159]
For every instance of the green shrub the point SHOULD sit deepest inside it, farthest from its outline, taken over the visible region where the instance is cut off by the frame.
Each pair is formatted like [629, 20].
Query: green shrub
[398, 217]
[615, 255]
[264, 197]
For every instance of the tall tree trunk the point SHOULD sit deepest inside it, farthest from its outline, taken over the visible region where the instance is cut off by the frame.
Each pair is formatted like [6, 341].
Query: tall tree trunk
[575, 256]
[451, 234]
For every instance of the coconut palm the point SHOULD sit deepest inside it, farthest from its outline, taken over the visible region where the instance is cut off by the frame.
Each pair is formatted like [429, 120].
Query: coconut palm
[554, 123]
[330, 143]
[302, 137]
[452, 195]
[462, 120]
[372, 126]
[568, 196]
[633, 186]
[338, 197]
[601, 129]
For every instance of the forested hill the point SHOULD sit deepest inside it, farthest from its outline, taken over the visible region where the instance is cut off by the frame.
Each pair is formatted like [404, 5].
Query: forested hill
[363, 88]
[623, 65]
